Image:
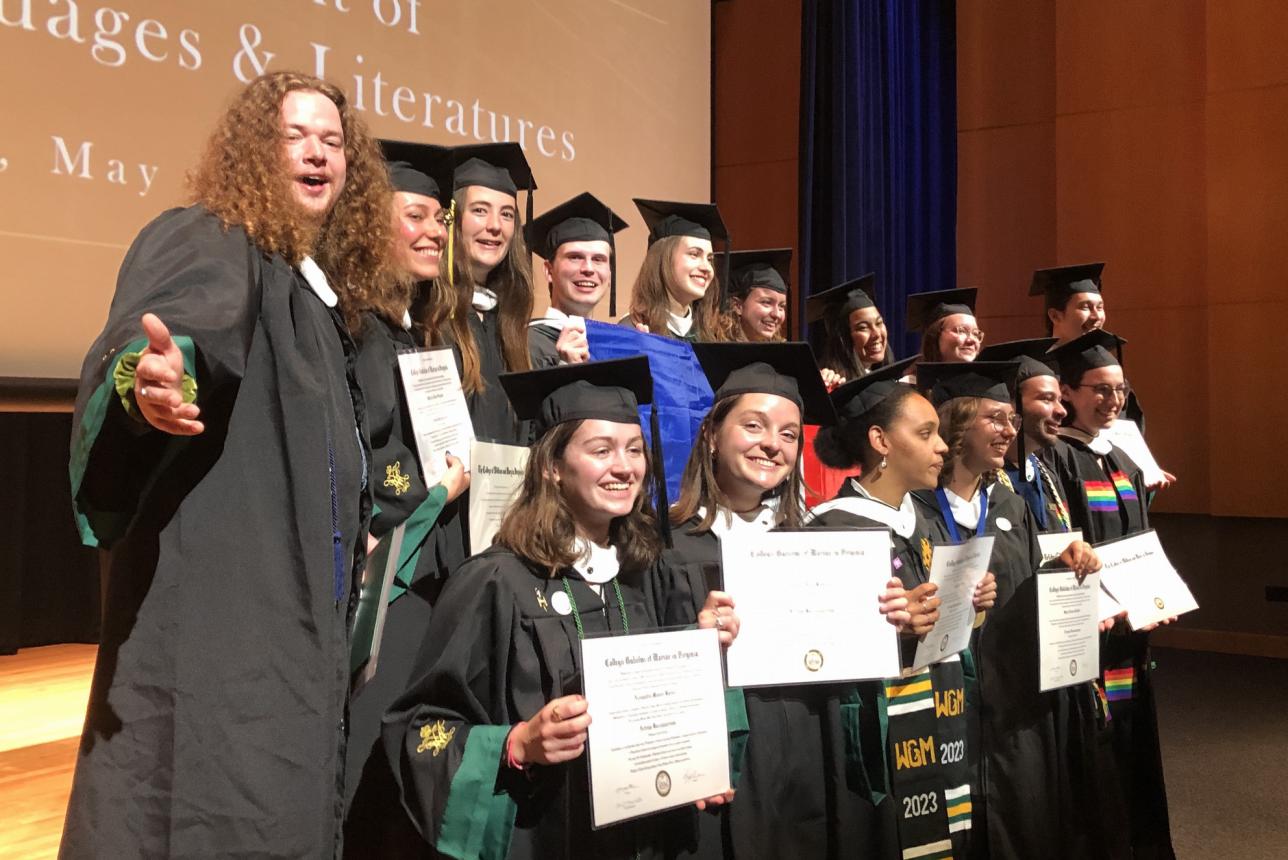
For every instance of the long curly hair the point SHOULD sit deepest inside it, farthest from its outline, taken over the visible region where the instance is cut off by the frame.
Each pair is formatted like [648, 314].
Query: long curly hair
[955, 419]
[245, 180]
[512, 283]
[540, 527]
[650, 297]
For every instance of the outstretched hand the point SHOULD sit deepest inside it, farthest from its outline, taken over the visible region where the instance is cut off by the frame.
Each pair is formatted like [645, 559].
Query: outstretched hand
[158, 383]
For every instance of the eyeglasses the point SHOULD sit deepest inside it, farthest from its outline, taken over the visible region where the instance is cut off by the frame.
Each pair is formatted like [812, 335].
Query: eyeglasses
[1104, 392]
[1000, 421]
[963, 331]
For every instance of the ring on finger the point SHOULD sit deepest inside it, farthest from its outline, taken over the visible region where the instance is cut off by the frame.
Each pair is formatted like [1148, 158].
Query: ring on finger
[143, 392]
[719, 622]
[554, 714]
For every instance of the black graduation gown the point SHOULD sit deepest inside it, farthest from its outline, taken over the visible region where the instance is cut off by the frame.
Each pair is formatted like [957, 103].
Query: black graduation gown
[541, 346]
[1106, 497]
[932, 796]
[215, 724]
[497, 652]
[401, 498]
[1031, 744]
[490, 411]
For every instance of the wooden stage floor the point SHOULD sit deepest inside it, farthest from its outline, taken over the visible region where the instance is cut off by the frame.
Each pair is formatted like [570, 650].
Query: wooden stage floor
[42, 708]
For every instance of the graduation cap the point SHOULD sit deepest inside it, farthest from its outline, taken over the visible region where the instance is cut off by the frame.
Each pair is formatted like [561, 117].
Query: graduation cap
[842, 300]
[584, 218]
[1096, 348]
[858, 397]
[605, 390]
[786, 369]
[666, 218]
[1032, 354]
[419, 168]
[925, 309]
[1063, 282]
[500, 166]
[991, 380]
[770, 268]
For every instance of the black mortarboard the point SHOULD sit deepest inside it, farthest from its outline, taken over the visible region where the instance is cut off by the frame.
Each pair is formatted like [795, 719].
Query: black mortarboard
[842, 300]
[1062, 282]
[609, 390]
[1096, 348]
[500, 166]
[671, 218]
[1031, 354]
[991, 380]
[786, 369]
[419, 168]
[770, 268]
[858, 397]
[925, 309]
[584, 218]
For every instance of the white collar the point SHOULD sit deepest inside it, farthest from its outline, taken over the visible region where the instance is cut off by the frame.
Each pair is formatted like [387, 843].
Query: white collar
[727, 523]
[484, 299]
[680, 324]
[965, 513]
[1098, 444]
[595, 564]
[316, 279]
[901, 520]
[406, 322]
[557, 319]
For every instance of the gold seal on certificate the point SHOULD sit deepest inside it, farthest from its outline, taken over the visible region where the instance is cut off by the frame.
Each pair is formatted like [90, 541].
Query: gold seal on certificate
[662, 783]
[1138, 574]
[1158, 601]
[813, 659]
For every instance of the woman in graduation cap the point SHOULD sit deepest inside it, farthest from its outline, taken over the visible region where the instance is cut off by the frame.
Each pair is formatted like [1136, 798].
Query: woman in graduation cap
[487, 743]
[891, 431]
[947, 321]
[1032, 797]
[855, 341]
[492, 271]
[758, 295]
[575, 241]
[1106, 495]
[795, 792]
[676, 292]
[400, 494]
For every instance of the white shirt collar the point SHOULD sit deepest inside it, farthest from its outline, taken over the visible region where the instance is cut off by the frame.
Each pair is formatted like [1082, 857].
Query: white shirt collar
[406, 322]
[965, 513]
[316, 279]
[728, 524]
[557, 319]
[680, 324]
[595, 564]
[484, 299]
[901, 520]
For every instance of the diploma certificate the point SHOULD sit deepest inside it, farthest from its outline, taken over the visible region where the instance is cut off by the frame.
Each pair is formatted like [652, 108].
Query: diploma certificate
[1126, 437]
[1051, 544]
[436, 402]
[496, 474]
[808, 607]
[658, 737]
[1068, 629]
[1138, 575]
[956, 569]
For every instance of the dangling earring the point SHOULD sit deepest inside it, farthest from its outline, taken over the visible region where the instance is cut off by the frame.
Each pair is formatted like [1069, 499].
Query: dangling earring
[882, 466]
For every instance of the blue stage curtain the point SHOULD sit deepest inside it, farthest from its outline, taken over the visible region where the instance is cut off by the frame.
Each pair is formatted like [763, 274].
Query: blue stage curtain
[878, 166]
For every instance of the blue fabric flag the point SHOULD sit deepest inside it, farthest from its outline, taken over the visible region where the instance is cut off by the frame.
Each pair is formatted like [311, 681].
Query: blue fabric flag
[680, 389]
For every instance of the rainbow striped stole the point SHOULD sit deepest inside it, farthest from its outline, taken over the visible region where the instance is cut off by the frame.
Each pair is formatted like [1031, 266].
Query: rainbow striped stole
[1100, 495]
[1124, 485]
[1118, 683]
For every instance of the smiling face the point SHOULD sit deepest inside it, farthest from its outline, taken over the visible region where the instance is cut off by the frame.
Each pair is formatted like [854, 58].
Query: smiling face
[1043, 411]
[911, 445]
[692, 270]
[761, 313]
[1082, 313]
[579, 275]
[600, 474]
[988, 436]
[868, 335]
[1095, 405]
[756, 447]
[419, 234]
[313, 143]
[960, 338]
[487, 218]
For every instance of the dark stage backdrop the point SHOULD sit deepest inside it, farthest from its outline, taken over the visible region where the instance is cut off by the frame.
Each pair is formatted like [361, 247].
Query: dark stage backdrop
[878, 150]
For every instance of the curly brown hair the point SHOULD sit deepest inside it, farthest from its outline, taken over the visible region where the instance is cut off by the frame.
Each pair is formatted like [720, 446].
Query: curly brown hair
[699, 488]
[244, 179]
[650, 297]
[539, 525]
[512, 283]
[955, 419]
[733, 332]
